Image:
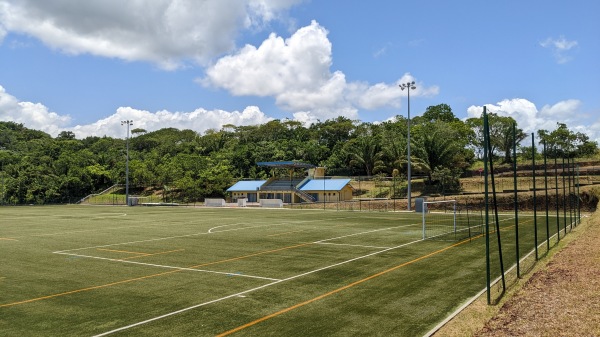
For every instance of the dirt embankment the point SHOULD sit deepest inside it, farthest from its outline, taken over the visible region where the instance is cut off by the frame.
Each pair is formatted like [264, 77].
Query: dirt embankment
[561, 296]
[563, 299]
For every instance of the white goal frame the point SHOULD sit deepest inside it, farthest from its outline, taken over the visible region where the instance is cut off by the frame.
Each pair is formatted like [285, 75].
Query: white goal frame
[426, 210]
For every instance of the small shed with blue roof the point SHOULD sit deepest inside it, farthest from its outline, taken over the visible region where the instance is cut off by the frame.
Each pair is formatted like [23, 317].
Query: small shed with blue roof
[315, 187]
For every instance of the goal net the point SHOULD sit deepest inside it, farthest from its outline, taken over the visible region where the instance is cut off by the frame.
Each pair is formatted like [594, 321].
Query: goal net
[446, 220]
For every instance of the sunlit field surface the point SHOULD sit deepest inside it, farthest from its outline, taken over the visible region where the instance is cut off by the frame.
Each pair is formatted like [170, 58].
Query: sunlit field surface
[131, 271]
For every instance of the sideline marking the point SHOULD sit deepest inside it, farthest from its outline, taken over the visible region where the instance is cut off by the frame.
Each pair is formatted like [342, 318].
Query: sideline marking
[346, 244]
[251, 255]
[151, 254]
[119, 251]
[275, 314]
[253, 289]
[133, 279]
[157, 239]
[65, 252]
[367, 232]
[175, 267]
[85, 289]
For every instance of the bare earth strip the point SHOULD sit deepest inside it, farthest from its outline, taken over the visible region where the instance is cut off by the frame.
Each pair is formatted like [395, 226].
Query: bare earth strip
[561, 298]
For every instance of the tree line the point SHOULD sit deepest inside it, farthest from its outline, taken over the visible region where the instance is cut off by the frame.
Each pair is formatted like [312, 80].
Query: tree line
[36, 168]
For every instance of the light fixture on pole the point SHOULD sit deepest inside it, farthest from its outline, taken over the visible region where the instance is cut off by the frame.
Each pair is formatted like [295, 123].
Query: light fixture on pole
[408, 86]
[128, 123]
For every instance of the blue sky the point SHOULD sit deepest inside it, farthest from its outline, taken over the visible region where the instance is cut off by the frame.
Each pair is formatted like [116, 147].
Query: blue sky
[84, 66]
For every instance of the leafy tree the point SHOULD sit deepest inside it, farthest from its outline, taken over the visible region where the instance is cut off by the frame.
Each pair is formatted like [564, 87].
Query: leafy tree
[563, 142]
[501, 135]
[65, 135]
[435, 113]
[448, 179]
[364, 152]
[438, 144]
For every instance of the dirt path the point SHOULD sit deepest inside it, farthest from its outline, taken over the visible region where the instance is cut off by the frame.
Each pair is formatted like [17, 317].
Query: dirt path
[561, 298]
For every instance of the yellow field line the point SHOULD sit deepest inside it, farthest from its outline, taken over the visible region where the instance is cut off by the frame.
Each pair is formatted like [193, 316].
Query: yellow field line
[119, 251]
[8, 239]
[275, 314]
[144, 277]
[251, 255]
[150, 254]
[86, 289]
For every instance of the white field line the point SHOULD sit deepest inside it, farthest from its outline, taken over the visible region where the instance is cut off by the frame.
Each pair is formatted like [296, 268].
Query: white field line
[89, 230]
[345, 244]
[159, 239]
[253, 289]
[373, 231]
[171, 267]
[188, 235]
[280, 224]
[210, 231]
[96, 216]
[103, 229]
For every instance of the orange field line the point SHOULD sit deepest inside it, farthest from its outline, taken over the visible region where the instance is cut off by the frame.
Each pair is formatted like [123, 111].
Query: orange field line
[119, 251]
[275, 314]
[251, 255]
[86, 289]
[145, 277]
[151, 254]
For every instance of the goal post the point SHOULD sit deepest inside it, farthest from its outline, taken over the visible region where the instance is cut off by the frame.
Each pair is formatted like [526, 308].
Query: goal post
[439, 218]
[448, 220]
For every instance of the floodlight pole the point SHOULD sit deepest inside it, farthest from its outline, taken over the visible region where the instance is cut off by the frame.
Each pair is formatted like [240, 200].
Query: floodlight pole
[3, 185]
[408, 86]
[128, 123]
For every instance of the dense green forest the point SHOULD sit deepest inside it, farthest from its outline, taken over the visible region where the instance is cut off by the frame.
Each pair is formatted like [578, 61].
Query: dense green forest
[36, 168]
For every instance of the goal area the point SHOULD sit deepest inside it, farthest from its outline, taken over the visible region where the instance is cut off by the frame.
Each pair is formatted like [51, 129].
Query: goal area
[448, 221]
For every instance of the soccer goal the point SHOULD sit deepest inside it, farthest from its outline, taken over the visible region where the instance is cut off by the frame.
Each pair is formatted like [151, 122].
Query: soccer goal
[439, 218]
[446, 220]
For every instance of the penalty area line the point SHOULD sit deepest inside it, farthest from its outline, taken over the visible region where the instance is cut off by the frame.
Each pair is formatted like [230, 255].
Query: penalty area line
[254, 289]
[335, 291]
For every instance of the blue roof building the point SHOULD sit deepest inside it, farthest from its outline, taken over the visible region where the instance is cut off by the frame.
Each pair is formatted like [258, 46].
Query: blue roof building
[293, 190]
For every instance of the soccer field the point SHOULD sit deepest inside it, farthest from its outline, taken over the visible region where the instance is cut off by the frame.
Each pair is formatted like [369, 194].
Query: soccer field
[97, 270]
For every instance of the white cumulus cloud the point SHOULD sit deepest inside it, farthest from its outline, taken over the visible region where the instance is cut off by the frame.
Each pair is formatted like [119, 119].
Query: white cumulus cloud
[32, 115]
[297, 73]
[165, 32]
[198, 120]
[39, 117]
[531, 119]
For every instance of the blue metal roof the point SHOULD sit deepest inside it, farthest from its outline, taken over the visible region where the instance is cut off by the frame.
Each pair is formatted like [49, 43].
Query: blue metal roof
[325, 185]
[246, 186]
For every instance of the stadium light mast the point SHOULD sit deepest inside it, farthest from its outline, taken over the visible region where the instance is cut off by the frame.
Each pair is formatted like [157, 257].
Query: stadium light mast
[408, 86]
[128, 123]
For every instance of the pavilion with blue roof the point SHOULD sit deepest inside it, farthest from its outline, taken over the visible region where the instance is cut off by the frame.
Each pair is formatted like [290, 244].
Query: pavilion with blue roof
[314, 187]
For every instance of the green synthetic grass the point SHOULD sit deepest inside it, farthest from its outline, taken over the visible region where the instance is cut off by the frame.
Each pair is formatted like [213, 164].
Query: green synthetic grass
[87, 270]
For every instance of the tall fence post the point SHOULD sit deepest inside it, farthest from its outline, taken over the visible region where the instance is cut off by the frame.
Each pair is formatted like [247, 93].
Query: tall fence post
[578, 198]
[487, 207]
[556, 190]
[535, 228]
[564, 195]
[516, 199]
[547, 201]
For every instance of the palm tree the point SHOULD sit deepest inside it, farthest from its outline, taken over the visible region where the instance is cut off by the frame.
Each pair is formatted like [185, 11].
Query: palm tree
[365, 152]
